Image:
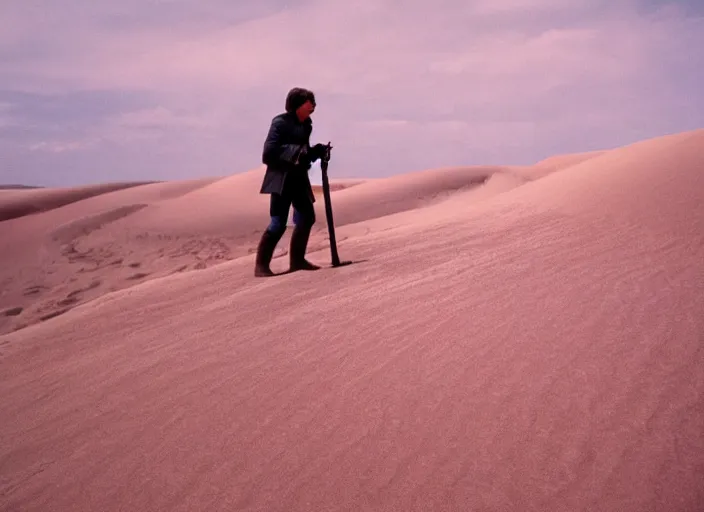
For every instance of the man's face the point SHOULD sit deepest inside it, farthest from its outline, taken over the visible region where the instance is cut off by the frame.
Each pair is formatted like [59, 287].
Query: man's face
[305, 110]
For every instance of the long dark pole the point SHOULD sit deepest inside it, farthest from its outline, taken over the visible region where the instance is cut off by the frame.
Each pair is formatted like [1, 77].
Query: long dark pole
[328, 207]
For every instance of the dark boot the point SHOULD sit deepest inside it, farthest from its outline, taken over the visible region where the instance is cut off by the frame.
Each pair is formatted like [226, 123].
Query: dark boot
[265, 251]
[297, 253]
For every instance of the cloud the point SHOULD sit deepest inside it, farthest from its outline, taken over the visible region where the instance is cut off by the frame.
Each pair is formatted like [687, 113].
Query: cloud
[59, 147]
[177, 88]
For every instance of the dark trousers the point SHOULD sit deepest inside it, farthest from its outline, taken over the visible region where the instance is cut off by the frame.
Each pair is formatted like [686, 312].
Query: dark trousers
[279, 206]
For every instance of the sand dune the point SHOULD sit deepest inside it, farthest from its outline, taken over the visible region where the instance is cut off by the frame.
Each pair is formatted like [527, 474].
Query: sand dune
[522, 344]
[19, 202]
[46, 267]
[380, 197]
[71, 255]
[560, 162]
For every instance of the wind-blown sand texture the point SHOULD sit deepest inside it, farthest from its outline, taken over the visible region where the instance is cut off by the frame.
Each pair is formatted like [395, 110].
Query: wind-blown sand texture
[508, 339]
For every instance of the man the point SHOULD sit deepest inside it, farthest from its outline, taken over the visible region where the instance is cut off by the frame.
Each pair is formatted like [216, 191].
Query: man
[288, 157]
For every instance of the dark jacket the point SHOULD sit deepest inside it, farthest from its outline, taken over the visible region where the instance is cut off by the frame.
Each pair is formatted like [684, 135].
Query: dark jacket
[284, 155]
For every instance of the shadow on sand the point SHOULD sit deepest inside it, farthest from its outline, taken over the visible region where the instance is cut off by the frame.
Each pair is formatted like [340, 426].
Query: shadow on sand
[343, 263]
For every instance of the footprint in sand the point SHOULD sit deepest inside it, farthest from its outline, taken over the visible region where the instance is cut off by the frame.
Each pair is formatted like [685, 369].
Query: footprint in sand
[34, 290]
[94, 284]
[139, 275]
[69, 301]
[13, 311]
[54, 314]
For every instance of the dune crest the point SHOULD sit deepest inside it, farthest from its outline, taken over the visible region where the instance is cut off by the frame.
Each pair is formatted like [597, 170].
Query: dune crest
[561, 162]
[18, 202]
[518, 344]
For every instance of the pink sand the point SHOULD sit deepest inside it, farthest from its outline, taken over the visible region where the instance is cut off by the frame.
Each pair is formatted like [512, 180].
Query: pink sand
[523, 339]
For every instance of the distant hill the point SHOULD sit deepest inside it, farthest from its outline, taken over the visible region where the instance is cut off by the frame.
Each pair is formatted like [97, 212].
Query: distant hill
[16, 187]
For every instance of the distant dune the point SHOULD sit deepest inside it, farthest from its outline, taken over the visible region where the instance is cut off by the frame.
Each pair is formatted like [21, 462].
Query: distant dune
[17, 187]
[20, 201]
[507, 338]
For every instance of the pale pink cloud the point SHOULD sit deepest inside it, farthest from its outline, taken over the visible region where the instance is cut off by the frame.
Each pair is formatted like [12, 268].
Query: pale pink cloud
[460, 78]
[56, 146]
[155, 118]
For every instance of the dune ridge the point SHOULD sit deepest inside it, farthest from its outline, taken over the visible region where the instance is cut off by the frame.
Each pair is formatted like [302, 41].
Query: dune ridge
[16, 186]
[523, 344]
[21, 201]
[70, 255]
[559, 162]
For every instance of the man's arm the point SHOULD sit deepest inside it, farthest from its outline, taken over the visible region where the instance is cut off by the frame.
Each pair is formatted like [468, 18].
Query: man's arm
[276, 152]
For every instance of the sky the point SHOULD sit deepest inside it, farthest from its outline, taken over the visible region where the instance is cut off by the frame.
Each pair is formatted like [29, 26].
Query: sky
[96, 91]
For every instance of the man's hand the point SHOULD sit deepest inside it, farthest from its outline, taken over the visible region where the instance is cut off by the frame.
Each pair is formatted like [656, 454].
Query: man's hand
[316, 152]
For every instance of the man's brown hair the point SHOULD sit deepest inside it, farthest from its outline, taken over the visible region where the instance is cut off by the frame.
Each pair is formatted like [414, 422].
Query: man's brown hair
[297, 97]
